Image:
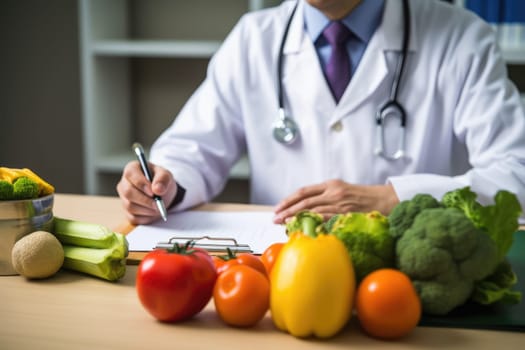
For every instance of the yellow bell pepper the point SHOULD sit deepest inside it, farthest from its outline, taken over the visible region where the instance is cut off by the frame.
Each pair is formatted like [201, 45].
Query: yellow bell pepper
[312, 286]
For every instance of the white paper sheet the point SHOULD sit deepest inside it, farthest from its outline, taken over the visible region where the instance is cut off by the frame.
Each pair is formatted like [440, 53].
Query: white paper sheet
[255, 229]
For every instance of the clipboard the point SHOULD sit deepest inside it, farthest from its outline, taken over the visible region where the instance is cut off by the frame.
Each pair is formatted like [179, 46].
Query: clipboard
[208, 243]
[214, 231]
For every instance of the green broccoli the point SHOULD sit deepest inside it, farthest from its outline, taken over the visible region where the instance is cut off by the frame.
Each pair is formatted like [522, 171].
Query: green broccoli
[366, 237]
[465, 200]
[403, 214]
[25, 188]
[6, 190]
[444, 255]
[305, 222]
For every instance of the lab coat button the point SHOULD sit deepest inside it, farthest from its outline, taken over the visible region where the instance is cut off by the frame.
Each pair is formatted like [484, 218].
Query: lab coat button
[337, 126]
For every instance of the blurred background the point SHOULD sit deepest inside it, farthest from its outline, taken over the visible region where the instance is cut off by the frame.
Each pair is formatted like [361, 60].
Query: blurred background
[81, 80]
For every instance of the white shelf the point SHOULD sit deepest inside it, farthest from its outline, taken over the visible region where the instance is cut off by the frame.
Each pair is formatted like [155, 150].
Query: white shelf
[514, 55]
[241, 170]
[156, 48]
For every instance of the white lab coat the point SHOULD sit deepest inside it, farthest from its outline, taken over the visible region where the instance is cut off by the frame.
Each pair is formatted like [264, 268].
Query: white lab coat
[465, 120]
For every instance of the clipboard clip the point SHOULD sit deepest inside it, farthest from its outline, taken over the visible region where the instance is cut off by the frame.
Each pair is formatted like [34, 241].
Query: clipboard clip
[210, 244]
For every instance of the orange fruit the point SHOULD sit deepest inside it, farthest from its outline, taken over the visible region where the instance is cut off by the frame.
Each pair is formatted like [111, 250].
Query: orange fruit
[387, 304]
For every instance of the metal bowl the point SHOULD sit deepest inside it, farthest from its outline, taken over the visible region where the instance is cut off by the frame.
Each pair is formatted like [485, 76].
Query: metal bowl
[19, 218]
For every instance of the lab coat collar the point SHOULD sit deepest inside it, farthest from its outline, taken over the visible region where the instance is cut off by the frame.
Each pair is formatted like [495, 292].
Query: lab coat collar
[373, 68]
[389, 34]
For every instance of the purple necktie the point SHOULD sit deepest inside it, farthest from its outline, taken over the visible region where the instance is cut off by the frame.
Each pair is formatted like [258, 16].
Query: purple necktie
[337, 69]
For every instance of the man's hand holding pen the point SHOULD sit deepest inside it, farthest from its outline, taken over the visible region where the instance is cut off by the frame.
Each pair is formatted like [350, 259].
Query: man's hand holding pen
[137, 193]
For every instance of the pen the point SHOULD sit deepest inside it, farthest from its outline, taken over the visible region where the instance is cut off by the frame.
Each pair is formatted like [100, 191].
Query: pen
[139, 151]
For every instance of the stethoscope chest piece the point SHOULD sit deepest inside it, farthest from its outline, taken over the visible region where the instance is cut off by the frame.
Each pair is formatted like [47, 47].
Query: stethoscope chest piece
[391, 110]
[285, 130]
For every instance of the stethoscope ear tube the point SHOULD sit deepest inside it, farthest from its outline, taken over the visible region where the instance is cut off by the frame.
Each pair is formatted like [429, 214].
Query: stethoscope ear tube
[285, 129]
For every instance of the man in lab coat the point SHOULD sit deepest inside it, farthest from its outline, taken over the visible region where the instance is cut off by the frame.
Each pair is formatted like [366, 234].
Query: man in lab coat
[465, 122]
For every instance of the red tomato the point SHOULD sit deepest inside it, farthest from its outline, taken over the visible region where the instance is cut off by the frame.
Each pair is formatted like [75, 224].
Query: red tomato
[387, 304]
[174, 286]
[269, 256]
[241, 296]
[233, 259]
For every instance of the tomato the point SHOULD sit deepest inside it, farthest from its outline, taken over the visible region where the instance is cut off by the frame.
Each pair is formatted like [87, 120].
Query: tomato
[241, 296]
[219, 262]
[233, 259]
[387, 304]
[175, 285]
[269, 256]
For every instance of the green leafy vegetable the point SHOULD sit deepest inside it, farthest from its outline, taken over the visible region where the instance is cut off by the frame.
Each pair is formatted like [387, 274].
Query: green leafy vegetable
[497, 287]
[499, 220]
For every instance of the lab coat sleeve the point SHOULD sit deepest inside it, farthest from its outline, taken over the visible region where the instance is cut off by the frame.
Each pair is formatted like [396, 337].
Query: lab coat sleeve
[207, 136]
[489, 120]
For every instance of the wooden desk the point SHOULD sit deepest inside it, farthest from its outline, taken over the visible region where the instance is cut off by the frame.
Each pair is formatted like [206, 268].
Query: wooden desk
[72, 311]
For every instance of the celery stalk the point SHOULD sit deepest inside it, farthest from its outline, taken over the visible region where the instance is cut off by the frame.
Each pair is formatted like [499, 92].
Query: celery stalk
[83, 234]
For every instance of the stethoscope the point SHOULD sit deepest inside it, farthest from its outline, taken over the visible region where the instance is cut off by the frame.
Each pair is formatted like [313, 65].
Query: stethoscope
[286, 130]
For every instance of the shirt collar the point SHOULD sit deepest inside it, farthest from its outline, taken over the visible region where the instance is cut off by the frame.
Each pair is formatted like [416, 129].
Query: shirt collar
[362, 21]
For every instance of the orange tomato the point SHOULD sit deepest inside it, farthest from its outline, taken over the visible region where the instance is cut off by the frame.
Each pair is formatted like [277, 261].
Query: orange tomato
[269, 256]
[241, 296]
[387, 304]
[223, 263]
[217, 261]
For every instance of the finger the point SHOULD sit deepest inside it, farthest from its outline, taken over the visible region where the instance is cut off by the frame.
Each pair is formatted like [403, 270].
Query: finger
[311, 204]
[140, 220]
[134, 206]
[327, 211]
[133, 197]
[141, 210]
[161, 180]
[134, 175]
[298, 196]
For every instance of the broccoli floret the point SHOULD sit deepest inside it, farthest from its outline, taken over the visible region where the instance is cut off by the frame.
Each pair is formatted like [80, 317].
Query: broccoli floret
[366, 237]
[403, 214]
[6, 190]
[25, 188]
[465, 200]
[305, 222]
[444, 255]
